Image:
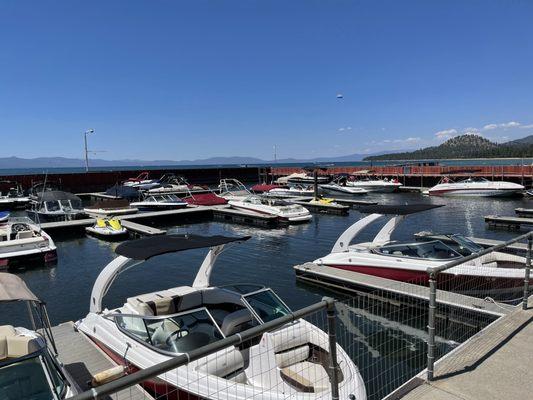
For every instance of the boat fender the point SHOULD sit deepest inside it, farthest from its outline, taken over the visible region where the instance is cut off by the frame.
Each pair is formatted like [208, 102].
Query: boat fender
[108, 375]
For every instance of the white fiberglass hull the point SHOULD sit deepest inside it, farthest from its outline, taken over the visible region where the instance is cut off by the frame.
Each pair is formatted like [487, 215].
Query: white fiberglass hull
[343, 189]
[474, 192]
[299, 214]
[378, 187]
[263, 379]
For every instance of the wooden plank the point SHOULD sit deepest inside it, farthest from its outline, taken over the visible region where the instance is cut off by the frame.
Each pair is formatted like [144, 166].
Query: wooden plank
[348, 279]
[143, 229]
[524, 212]
[82, 359]
[508, 222]
[76, 223]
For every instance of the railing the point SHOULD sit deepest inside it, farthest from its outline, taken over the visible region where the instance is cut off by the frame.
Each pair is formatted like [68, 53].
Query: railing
[474, 284]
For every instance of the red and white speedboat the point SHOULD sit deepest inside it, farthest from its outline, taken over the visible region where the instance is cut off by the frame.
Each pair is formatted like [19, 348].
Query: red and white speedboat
[475, 187]
[409, 261]
[151, 328]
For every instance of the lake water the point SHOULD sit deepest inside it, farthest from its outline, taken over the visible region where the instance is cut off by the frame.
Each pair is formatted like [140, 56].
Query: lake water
[267, 258]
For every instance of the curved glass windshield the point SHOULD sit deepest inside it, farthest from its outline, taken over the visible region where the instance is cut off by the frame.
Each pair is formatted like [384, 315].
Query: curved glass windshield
[266, 305]
[431, 250]
[52, 206]
[176, 334]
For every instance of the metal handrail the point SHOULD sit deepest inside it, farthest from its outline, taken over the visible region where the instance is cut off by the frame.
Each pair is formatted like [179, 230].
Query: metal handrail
[433, 273]
[236, 339]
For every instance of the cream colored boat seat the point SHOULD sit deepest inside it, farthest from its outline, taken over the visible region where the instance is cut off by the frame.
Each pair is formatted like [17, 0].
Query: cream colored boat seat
[25, 235]
[158, 304]
[13, 345]
[307, 377]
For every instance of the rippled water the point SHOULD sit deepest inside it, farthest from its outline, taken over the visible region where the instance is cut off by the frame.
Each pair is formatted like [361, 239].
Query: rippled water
[267, 258]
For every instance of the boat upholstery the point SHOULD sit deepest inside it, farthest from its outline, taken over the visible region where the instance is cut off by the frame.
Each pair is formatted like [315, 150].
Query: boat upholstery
[159, 304]
[235, 321]
[223, 363]
[13, 345]
[292, 356]
[307, 376]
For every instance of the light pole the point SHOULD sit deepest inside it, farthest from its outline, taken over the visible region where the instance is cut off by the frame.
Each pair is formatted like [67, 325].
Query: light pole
[86, 151]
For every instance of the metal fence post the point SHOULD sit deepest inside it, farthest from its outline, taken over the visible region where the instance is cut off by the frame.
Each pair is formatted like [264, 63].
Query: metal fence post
[527, 272]
[333, 371]
[431, 324]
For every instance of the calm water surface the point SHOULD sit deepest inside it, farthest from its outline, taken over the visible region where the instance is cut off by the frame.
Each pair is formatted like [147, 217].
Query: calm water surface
[267, 258]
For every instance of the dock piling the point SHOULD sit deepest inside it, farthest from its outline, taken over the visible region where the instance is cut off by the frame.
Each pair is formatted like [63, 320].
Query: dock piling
[527, 273]
[431, 325]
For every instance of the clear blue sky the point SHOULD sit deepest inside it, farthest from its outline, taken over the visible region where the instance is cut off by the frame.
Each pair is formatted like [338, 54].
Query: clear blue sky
[193, 79]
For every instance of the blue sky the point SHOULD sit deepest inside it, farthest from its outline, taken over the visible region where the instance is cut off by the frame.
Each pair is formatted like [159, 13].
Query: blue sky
[194, 79]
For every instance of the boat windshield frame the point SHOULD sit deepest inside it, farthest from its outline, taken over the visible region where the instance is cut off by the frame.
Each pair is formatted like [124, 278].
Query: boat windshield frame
[114, 315]
[253, 310]
[466, 243]
[377, 250]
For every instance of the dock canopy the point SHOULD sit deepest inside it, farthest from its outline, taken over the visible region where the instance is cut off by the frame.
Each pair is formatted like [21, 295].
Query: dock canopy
[143, 249]
[400, 209]
[54, 195]
[13, 288]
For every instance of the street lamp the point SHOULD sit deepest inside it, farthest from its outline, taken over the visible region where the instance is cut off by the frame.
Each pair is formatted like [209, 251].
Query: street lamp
[87, 132]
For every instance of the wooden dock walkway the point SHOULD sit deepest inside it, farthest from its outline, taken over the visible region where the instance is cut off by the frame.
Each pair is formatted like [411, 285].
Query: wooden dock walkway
[244, 217]
[82, 359]
[142, 229]
[353, 281]
[494, 364]
[524, 212]
[510, 223]
[325, 208]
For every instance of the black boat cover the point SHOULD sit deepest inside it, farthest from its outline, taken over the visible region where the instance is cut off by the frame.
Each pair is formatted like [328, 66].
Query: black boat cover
[53, 195]
[145, 248]
[125, 192]
[400, 209]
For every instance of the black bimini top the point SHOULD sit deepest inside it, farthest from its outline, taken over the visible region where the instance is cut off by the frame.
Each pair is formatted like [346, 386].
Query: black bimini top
[143, 249]
[53, 195]
[400, 209]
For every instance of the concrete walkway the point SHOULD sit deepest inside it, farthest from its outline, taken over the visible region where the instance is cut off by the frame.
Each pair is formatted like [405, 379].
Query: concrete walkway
[495, 364]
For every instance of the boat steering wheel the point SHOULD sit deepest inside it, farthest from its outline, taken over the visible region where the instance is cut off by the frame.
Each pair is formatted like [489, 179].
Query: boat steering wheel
[20, 228]
[177, 334]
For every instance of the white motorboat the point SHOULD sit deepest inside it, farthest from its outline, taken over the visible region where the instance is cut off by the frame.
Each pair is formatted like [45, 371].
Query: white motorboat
[12, 196]
[29, 368]
[285, 211]
[170, 183]
[110, 208]
[108, 229]
[160, 202]
[336, 188]
[475, 187]
[375, 185]
[150, 328]
[141, 182]
[408, 262]
[293, 191]
[23, 243]
[56, 205]
[232, 188]
[302, 178]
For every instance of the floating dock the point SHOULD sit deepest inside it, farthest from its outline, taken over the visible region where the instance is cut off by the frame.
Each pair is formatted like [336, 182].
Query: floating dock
[142, 229]
[350, 281]
[524, 212]
[326, 208]
[509, 223]
[82, 359]
[244, 217]
[494, 364]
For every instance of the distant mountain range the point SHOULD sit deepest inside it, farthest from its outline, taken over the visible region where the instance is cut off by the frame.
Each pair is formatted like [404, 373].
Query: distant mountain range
[62, 162]
[465, 146]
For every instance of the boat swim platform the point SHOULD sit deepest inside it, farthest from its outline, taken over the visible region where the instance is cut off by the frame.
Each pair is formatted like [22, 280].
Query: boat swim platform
[494, 364]
[350, 281]
[510, 223]
[82, 359]
[515, 247]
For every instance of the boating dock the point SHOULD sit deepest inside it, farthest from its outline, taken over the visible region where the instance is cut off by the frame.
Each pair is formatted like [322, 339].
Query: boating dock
[244, 217]
[142, 229]
[82, 359]
[492, 365]
[524, 212]
[510, 223]
[351, 281]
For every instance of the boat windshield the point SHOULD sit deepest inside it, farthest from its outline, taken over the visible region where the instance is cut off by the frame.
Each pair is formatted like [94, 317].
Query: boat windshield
[474, 180]
[178, 333]
[52, 206]
[266, 305]
[466, 244]
[435, 250]
[27, 379]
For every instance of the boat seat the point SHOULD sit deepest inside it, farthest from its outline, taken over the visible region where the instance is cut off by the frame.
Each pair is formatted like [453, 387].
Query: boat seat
[13, 345]
[236, 321]
[307, 377]
[292, 356]
[25, 235]
[223, 363]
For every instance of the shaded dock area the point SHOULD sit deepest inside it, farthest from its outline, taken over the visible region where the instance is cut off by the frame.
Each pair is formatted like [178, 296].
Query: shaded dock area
[495, 364]
[82, 359]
